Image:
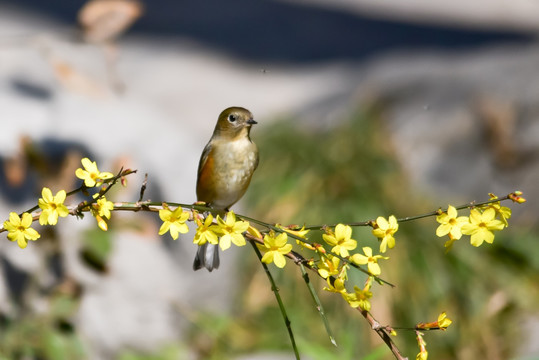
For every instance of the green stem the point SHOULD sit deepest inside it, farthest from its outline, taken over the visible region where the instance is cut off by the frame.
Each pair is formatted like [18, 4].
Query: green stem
[279, 300]
[319, 306]
[409, 218]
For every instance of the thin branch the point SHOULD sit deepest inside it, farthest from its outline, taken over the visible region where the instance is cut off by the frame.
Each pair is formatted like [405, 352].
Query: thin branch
[279, 300]
[416, 217]
[143, 188]
[319, 306]
[383, 333]
[83, 187]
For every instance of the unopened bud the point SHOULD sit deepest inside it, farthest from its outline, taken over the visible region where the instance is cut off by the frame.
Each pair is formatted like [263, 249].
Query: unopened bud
[516, 197]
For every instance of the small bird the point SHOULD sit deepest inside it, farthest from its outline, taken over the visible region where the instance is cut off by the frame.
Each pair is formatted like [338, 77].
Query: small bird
[225, 170]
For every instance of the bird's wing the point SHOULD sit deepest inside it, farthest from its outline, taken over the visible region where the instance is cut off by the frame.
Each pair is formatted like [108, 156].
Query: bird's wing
[204, 158]
[205, 185]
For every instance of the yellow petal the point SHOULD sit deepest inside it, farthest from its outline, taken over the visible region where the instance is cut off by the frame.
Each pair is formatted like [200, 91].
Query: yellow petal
[475, 216]
[279, 260]
[32, 234]
[87, 163]
[281, 240]
[63, 211]
[60, 197]
[81, 174]
[343, 231]
[267, 258]
[367, 251]
[164, 228]
[382, 223]
[47, 195]
[26, 220]
[21, 241]
[359, 259]
[254, 232]
[285, 249]
[14, 219]
[443, 230]
[164, 214]
[476, 239]
[224, 242]
[374, 268]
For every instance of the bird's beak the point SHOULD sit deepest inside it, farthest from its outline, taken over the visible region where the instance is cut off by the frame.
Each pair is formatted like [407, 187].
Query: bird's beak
[251, 122]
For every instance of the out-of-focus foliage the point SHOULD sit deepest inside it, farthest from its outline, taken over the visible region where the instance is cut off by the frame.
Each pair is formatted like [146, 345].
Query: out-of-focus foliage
[168, 352]
[325, 176]
[46, 336]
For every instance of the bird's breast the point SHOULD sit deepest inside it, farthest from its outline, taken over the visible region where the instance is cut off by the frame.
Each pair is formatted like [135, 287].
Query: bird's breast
[232, 168]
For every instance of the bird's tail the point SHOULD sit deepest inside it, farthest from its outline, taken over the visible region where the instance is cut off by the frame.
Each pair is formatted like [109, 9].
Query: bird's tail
[207, 256]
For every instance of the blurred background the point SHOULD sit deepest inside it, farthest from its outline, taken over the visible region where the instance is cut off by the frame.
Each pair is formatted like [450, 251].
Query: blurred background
[365, 108]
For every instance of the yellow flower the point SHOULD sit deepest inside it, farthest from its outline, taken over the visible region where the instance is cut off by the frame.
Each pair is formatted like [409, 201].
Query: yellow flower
[206, 232]
[336, 286]
[101, 222]
[449, 243]
[313, 247]
[443, 321]
[503, 211]
[101, 209]
[450, 223]
[91, 175]
[423, 354]
[232, 230]
[173, 221]
[385, 230]
[360, 298]
[370, 260]
[275, 247]
[481, 226]
[254, 232]
[302, 233]
[328, 266]
[19, 229]
[293, 229]
[52, 206]
[341, 240]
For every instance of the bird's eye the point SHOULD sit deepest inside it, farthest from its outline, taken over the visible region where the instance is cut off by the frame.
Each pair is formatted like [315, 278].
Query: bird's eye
[232, 118]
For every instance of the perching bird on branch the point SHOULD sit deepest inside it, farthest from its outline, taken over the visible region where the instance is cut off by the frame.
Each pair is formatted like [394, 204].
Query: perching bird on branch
[225, 170]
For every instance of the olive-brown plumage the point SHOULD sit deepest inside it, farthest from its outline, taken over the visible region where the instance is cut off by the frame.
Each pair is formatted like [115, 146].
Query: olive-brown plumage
[225, 170]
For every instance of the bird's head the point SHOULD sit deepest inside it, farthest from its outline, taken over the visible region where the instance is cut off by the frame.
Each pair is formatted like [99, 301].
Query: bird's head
[234, 122]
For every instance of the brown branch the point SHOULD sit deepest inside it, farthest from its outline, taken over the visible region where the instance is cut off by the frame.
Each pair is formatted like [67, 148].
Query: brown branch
[382, 331]
[143, 188]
